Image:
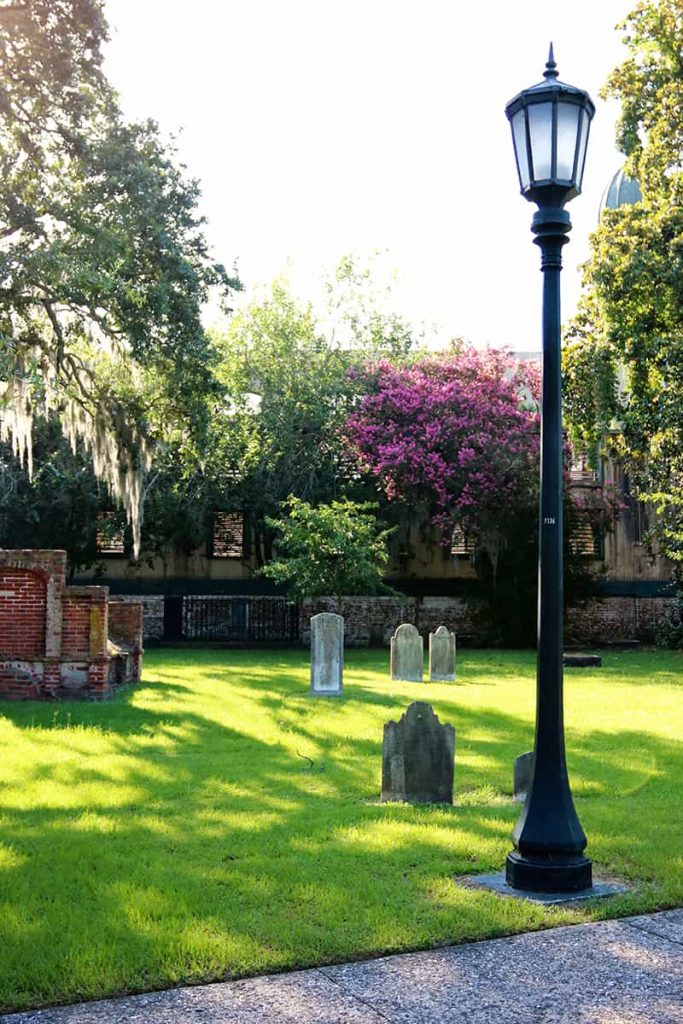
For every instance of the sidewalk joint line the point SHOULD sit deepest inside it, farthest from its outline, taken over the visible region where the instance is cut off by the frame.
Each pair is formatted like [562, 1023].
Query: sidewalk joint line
[650, 931]
[353, 995]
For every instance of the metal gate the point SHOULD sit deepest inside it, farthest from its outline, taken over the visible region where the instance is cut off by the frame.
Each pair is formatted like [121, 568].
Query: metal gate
[240, 620]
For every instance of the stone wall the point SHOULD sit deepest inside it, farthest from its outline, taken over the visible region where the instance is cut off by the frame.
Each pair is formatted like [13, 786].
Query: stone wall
[371, 621]
[152, 606]
[614, 619]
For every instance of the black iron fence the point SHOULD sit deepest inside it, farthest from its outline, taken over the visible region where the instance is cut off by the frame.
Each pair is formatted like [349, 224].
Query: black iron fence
[239, 620]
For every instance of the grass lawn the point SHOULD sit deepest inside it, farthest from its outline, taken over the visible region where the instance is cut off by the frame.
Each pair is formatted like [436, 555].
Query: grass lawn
[217, 821]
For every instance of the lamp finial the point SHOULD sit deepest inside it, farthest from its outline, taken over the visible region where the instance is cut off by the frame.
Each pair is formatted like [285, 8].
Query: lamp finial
[551, 66]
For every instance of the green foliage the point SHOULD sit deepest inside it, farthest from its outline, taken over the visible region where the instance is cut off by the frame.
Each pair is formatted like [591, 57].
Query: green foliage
[625, 368]
[58, 507]
[104, 266]
[284, 391]
[288, 387]
[649, 86]
[590, 384]
[265, 420]
[335, 549]
[284, 386]
[359, 312]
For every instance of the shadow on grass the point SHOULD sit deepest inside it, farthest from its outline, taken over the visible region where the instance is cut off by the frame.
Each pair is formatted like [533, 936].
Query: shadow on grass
[192, 847]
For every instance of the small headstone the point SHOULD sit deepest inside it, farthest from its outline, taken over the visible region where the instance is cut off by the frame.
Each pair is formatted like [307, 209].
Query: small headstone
[407, 654]
[418, 754]
[327, 654]
[524, 767]
[581, 660]
[442, 656]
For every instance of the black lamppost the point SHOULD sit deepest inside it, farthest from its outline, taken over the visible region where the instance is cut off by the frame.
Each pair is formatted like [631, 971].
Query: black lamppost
[550, 124]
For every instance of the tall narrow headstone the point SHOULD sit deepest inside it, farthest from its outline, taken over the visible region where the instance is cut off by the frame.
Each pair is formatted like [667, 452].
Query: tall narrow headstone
[327, 654]
[418, 755]
[442, 656]
[524, 767]
[407, 654]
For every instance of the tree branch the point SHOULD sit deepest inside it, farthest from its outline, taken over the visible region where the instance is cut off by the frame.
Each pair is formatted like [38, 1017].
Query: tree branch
[57, 328]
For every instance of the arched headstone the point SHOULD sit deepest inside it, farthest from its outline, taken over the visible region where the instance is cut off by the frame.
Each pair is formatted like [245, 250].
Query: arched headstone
[442, 656]
[327, 654]
[406, 654]
[418, 756]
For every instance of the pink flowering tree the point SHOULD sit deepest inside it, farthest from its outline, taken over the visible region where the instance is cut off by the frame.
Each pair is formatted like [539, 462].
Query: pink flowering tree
[456, 439]
[458, 436]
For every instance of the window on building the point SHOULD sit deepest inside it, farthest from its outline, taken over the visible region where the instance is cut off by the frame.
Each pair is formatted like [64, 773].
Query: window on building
[584, 540]
[461, 544]
[110, 536]
[227, 539]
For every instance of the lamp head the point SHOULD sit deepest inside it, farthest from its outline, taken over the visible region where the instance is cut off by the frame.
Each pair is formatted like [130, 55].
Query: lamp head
[550, 123]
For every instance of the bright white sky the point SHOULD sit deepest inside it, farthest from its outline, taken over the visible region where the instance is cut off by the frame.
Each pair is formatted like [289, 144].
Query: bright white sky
[322, 127]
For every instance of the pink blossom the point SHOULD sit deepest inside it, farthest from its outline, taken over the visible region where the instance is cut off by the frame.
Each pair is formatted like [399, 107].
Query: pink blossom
[459, 432]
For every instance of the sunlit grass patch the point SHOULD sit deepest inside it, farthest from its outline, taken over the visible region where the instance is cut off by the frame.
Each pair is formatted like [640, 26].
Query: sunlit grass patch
[218, 821]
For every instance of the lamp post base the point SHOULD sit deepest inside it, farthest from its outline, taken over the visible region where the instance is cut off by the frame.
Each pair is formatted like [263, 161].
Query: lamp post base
[536, 874]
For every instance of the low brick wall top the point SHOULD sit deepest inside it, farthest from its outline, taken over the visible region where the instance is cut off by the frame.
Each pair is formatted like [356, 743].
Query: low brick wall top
[45, 561]
[96, 595]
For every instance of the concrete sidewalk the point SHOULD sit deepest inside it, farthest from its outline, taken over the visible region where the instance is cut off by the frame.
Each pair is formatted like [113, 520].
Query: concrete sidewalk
[614, 972]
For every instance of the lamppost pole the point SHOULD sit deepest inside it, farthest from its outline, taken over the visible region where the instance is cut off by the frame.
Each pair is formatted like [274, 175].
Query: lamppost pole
[550, 131]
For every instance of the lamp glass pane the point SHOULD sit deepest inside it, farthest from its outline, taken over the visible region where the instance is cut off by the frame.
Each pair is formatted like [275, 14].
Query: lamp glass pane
[519, 140]
[583, 140]
[541, 134]
[567, 131]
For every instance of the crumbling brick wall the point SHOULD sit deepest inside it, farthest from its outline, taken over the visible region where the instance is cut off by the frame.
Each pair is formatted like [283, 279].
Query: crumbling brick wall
[54, 638]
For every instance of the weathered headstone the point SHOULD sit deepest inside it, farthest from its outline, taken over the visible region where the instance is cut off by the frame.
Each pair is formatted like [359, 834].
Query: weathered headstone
[327, 654]
[524, 767]
[407, 654]
[442, 656]
[418, 754]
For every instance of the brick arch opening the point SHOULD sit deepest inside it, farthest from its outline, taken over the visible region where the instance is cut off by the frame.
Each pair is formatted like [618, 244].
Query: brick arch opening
[23, 610]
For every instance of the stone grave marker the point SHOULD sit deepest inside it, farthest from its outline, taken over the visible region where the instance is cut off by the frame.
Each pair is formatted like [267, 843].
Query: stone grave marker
[418, 755]
[524, 766]
[407, 654]
[327, 654]
[442, 656]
